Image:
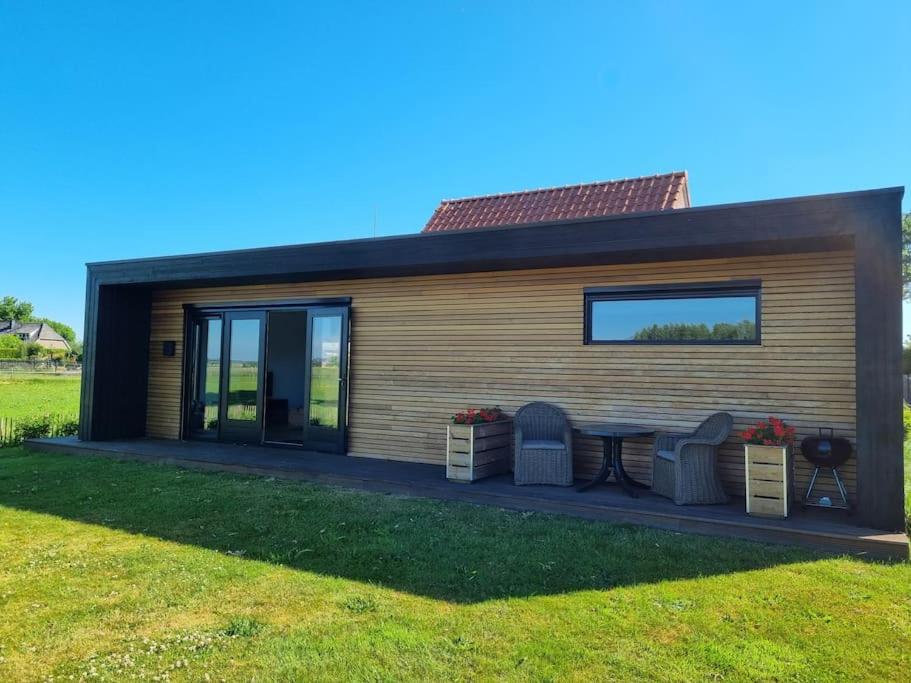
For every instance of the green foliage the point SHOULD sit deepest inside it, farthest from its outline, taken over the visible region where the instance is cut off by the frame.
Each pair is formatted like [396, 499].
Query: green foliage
[34, 350]
[906, 417]
[906, 254]
[41, 426]
[56, 354]
[12, 308]
[34, 427]
[242, 627]
[11, 347]
[745, 329]
[359, 604]
[68, 426]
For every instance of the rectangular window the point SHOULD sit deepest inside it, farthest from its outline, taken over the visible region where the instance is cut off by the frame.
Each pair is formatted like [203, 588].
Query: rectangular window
[713, 313]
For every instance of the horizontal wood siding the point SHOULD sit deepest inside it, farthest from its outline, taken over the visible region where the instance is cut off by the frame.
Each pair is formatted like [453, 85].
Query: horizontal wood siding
[425, 347]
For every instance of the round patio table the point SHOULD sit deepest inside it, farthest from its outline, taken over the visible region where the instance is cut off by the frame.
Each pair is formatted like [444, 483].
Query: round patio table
[612, 436]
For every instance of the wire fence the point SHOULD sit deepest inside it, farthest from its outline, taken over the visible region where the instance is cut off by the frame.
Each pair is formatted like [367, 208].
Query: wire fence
[39, 365]
[13, 431]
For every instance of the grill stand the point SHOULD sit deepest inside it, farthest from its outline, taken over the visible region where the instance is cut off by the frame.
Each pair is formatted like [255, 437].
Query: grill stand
[841, 489]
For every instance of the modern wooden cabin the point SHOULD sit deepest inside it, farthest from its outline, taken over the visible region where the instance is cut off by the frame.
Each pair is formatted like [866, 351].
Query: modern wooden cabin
[366, 347]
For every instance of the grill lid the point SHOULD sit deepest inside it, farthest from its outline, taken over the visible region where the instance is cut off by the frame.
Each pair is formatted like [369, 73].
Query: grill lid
[826, 450]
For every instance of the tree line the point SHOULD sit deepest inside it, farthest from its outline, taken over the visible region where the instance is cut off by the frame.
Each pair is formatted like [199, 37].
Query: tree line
[744, 330]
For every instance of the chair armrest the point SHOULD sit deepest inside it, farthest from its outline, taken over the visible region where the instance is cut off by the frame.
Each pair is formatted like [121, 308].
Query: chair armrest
[517, 433]
[568, 438]
[695, 440]
[682, 448]
[667, 441]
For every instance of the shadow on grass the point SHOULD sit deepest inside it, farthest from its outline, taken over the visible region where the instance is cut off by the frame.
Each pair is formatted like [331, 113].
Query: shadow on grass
[449, 551]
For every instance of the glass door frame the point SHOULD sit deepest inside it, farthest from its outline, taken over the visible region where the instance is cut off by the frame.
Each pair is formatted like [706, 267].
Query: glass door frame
[317, 437]
[193, 313]
[197, 373]
[241, 431]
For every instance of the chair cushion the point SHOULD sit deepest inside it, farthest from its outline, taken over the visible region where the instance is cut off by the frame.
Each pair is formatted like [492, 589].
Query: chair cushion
[543, 444]
[667, 455]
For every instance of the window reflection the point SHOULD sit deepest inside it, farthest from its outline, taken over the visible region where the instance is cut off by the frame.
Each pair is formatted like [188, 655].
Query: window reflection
[212, 370]
[243, 370]
[325, 370]
[721, 319]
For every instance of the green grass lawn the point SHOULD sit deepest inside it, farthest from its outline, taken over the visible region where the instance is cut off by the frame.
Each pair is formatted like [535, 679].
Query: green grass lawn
[39, 394]
[119, 570]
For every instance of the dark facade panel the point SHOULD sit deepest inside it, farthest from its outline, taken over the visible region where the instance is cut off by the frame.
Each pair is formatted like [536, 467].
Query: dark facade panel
[878, 339]
[116, 367]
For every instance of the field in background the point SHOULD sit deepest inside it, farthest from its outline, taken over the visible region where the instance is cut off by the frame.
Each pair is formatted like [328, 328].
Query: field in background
[36, 394]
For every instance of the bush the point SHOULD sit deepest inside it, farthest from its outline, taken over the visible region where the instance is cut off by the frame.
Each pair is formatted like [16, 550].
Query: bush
[907, 421]
[39, 427]
[34, 427]
[10, 346]
[34, 350]
[68, 427]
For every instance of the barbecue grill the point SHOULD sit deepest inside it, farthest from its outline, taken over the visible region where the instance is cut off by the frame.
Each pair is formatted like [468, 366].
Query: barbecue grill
[826, 451]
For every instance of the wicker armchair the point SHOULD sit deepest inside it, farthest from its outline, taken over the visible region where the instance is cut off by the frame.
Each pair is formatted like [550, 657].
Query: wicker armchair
[544, 446]
[685, 466]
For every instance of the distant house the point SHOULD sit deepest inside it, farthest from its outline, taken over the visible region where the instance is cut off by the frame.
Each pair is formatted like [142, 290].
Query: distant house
[35, 333]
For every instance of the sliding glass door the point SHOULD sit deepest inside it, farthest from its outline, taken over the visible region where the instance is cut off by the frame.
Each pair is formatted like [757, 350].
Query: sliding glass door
[286, 377]
[327, 353]
[276, 376]
[241, 415]
[204, 386]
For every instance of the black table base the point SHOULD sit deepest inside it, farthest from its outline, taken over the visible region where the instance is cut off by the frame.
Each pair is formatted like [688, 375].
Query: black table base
[613, 461]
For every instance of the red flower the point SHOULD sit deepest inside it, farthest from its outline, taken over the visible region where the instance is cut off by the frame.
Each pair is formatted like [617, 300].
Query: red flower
[477, 415]
[772, 433]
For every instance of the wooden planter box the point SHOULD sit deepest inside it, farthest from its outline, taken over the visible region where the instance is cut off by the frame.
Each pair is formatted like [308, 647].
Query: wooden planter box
[768, 486]
[477, 451]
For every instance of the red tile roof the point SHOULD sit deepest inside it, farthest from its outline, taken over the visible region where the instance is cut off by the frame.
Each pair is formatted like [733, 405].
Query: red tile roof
[590, 200]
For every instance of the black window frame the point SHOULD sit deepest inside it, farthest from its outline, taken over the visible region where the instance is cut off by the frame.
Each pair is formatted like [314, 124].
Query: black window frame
[708, 290]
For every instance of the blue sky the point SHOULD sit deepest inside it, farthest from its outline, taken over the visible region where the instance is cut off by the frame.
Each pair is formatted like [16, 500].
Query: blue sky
[140, 129]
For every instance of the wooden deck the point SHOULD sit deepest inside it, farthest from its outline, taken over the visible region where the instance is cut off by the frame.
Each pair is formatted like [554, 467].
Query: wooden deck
[828, 530]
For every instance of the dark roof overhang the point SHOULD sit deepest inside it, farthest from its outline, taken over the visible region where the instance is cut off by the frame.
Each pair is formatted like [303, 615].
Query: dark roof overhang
[800, 224]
